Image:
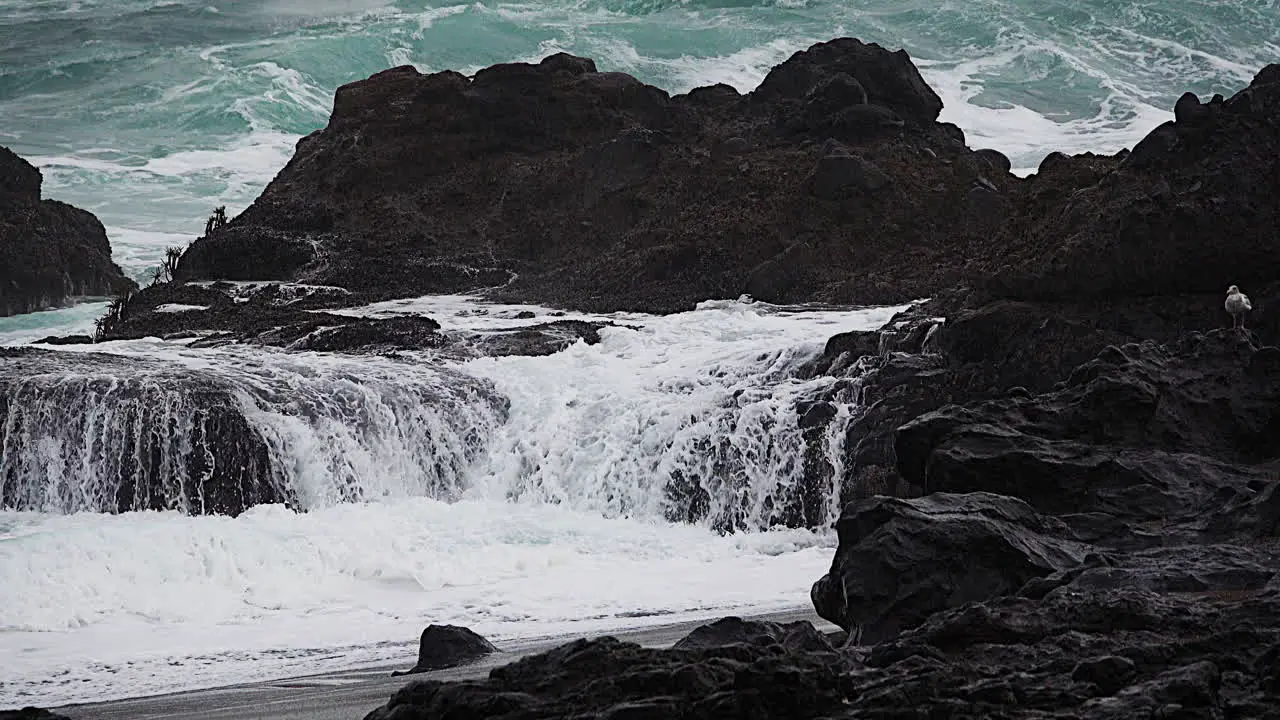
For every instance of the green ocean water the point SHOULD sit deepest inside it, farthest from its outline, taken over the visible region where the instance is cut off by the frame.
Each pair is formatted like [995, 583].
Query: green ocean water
[150, 113]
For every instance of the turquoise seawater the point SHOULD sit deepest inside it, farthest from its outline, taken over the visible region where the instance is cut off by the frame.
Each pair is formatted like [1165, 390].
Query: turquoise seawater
[149, 113]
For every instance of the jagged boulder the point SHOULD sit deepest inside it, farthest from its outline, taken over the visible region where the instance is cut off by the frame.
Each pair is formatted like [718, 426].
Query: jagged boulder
[49, 251]
[607, 678]
[899, 561]
[556, 183]
[445, 646]
[1143, 432]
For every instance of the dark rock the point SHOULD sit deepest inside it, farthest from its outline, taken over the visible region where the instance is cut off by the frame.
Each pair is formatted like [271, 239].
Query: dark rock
[777, 278]
[1109, 672]
[995, 159]
[795, 636]
[359, 336]
[1157, 148]
[899, 561]
[834, 177]
[1188, 111]
[213, 461]
[49, 251]
[64, 340]
[1139, 231]
[864, 121]
[540, 339]
[889, 79]
[557, 184]
[607, 678]
[571, 64]
[831, 96]
[446, 646]
[1053, 159]
[623, 162]
[1142, 430]
[31, 713]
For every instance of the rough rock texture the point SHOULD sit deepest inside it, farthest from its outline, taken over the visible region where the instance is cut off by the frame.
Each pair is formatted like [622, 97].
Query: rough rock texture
[1096, 251]
[1174, 633]
[294, 317]
[1189, 210]
[605, 193]
[708, 676]
[445, 646]
[1141, 572]
[900, 561]
[49, 251]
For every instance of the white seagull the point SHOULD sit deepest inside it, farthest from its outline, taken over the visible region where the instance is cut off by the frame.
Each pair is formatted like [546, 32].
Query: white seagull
[1237, 304]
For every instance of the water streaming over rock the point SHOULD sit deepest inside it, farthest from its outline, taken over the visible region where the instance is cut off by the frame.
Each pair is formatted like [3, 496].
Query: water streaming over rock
[693, 418]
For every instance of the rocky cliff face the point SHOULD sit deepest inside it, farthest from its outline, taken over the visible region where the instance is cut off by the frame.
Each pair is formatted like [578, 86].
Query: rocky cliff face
[49, 251]
[589, 189]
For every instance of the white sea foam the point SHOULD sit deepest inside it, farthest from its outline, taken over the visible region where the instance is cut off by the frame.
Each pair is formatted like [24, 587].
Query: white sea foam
[1025, 135]
[108, 606]
[179, 308]
[557, 525]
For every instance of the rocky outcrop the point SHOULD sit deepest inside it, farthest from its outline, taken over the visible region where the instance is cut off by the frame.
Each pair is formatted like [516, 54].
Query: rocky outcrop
[900, 561]
[1189, 210]
[569, 186]
[290, 317]
[1139, 490]
[1171, 426]
[1022, 586]
[1173, 633]
[708, 675]
[49, 251]
[445, 646]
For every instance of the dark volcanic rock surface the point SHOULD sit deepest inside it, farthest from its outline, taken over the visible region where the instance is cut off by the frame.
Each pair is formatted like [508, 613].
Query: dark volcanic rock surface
[1190, 210]
[49, 251]
[444, 646]
[606, 678]
[288, 317]
[900, 561]
[601, 192]
[31, 713]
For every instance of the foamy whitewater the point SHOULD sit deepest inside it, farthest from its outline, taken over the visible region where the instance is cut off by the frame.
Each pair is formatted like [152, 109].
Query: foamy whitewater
[555, 524]
[518, 496]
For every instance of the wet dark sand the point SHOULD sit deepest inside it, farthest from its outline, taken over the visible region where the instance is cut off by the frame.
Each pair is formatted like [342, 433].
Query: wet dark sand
[350, 695]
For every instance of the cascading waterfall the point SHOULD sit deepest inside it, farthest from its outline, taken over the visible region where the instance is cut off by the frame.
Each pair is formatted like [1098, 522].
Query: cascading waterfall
[221, 431]
[692, 418]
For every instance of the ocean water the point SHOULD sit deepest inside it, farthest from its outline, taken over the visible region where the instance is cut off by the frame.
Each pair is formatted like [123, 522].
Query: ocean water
[152, 112]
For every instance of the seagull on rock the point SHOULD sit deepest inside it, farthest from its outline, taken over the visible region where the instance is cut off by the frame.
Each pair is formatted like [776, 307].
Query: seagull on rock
[1237, 304]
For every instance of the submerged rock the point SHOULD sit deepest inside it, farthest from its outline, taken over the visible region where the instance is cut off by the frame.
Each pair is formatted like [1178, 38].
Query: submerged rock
[49, 251]
[130, 433]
